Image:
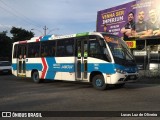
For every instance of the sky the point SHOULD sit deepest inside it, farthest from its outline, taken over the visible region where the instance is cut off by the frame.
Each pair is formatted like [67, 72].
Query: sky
[61, 17]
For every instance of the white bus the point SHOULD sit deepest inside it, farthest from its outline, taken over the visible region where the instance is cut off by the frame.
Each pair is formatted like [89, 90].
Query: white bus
[99, 58]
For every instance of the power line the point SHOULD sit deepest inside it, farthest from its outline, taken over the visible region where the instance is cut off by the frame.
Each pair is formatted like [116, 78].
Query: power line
[45, 30]
[16, 13]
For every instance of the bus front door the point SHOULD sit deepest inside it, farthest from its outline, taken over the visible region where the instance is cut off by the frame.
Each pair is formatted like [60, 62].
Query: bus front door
[21, 63]
[81, 59]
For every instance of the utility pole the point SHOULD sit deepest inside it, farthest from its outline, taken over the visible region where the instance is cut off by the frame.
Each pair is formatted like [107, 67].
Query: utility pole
[45, 29]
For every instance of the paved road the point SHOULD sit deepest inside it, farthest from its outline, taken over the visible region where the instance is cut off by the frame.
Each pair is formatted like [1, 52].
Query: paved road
[17, 94]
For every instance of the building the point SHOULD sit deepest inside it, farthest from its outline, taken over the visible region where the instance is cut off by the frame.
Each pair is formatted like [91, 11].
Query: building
[138, 23]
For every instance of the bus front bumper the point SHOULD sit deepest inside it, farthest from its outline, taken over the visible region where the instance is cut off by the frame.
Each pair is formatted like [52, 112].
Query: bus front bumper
[131, 77]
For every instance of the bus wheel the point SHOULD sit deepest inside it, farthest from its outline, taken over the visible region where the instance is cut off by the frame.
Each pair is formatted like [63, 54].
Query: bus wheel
[98, 82]
[35, 77]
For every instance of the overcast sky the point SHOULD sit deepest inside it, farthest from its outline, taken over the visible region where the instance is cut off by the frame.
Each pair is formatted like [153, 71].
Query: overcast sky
[60, 16]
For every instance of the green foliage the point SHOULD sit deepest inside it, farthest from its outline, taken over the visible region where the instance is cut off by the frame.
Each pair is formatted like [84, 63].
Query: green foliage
[5, 45]
[20, 34]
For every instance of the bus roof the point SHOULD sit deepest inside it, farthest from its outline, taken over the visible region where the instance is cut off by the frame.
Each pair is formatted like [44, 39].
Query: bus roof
[54, 37]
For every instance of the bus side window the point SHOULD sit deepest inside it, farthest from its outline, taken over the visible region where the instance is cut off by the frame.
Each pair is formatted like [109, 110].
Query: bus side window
[48, 48]
[60, 51]
[44, 49]
[65, 47]
[51, 48]
[53, 51]
[69, 50]
[33, 50]
[44, 54]
[15, 51]
[96, 50]
[32, 54]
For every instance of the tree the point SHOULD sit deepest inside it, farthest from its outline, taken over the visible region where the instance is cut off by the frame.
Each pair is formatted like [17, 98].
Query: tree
[20, 34]
[5, 45]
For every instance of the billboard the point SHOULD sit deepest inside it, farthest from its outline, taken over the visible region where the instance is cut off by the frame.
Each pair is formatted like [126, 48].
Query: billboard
[134, 20]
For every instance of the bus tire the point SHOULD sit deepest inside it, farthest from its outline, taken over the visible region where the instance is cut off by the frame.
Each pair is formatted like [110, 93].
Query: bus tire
[98, 82]
[35, 77]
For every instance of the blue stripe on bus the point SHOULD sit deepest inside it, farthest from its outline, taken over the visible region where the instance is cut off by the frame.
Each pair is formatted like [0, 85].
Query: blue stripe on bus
[45, 38]
[14, 66]
[50, 72]
[54, 67]
[102, 67]
[109, 68]
[31, 66]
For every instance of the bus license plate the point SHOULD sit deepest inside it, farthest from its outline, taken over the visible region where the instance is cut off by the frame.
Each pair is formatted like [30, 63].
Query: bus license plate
[132, 77]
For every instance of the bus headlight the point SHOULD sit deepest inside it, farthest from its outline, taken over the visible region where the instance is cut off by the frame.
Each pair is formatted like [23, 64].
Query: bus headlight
[120, 71]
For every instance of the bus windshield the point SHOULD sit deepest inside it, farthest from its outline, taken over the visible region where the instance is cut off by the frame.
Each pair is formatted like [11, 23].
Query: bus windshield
[121, 53]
